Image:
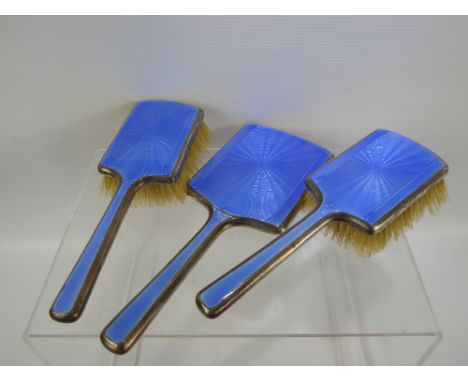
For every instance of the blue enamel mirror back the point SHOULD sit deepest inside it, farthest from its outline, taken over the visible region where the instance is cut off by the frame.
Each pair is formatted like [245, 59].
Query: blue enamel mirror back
[259, 174]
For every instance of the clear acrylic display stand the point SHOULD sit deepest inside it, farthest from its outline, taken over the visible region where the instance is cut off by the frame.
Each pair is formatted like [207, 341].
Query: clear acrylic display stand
[323, 305]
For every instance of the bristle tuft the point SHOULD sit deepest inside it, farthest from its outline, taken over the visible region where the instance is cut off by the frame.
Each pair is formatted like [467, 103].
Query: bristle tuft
[307, 204]
[366, 244]
[167, 193]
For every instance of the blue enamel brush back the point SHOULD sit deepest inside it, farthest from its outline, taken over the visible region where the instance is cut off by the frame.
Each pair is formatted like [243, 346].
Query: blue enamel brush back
[376, 175]
[152, 140]
[259, 174]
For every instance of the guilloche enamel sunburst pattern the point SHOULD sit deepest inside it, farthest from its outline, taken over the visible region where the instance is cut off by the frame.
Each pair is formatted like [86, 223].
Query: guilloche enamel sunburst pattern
[153, 138]
[259, 174]
[374, 175]
[151, 143]
[257, 178]
[367, 186]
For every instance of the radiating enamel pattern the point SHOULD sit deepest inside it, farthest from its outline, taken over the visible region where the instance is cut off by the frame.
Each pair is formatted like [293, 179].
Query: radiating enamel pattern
[259, 174]
[369, 182]
[151, 141]
[150, 144]
[376, 175]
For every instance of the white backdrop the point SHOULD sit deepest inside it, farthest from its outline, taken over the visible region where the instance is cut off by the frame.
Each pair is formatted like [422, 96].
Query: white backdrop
[67, 83]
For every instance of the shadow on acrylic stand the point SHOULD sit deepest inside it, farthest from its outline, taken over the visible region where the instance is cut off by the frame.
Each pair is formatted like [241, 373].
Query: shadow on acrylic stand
[323, 306]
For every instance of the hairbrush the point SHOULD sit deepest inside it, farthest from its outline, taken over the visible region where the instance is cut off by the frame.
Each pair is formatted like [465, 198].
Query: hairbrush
[367, 196]
[153, 155]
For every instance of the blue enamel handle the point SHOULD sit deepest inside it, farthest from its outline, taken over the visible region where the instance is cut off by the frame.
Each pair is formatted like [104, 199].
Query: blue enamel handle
[125, 329]
[222, 293]
[72, 298]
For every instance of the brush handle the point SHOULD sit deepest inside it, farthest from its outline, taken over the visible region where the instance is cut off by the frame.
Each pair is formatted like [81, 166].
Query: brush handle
[222, 293]
[72, 298]
[124, 330]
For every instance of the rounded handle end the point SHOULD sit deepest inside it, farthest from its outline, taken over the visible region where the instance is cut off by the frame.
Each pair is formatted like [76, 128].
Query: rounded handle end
[207, 310]
[118, 348]
[71, 315]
